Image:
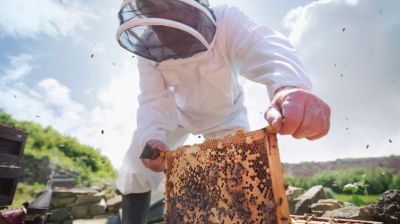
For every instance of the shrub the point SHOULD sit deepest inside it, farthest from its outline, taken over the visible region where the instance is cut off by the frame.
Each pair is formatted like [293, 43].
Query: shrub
[375, 181]
[396, 182]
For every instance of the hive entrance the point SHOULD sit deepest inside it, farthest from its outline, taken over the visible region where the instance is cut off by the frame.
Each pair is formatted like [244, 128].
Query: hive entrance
[236, 179]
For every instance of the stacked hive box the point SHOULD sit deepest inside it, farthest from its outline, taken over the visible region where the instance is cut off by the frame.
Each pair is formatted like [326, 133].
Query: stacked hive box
[236, 179]
[12, 143]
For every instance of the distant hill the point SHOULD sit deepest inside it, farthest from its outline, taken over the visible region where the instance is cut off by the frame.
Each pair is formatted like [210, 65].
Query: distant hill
[47, 150]
[308, 169]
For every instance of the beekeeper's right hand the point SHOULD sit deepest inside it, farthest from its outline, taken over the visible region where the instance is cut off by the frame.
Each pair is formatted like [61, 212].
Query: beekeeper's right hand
[157, 165]
[299, 113]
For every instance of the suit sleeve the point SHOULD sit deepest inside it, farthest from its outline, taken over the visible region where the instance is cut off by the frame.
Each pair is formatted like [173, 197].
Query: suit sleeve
[157, 109]
[261, 54]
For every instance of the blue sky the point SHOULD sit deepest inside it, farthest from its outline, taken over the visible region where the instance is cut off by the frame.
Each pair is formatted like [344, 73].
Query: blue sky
[47, 74]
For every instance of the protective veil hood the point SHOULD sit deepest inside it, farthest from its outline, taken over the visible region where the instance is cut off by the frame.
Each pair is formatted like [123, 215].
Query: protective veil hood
[166, 29]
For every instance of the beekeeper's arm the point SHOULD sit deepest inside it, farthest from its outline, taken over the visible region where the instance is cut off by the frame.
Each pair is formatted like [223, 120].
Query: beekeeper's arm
[157, 111]
[267, 57]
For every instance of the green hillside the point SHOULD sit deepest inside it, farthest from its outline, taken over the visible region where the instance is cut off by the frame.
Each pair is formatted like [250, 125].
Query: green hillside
[63, 152]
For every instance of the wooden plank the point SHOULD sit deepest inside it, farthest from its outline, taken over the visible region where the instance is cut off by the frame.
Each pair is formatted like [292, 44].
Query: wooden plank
[12, 133]
[12, 143]
[7, 159]
[320, 220]
[278, 184]
[10, 171]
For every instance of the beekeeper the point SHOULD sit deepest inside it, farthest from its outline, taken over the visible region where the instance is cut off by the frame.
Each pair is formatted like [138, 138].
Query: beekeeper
[189, 59]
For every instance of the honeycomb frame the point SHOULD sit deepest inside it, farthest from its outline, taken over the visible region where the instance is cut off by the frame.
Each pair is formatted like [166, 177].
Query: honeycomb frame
[235, 179]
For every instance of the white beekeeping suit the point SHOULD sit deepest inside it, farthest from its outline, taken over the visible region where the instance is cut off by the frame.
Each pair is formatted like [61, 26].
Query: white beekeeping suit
[198, 92]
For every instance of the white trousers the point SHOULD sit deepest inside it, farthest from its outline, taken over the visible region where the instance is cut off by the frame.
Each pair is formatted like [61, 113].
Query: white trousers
[133, 177]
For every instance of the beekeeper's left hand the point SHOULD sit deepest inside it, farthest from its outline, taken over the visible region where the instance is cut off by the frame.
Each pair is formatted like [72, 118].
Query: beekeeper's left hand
[299, 113]
[157, 165]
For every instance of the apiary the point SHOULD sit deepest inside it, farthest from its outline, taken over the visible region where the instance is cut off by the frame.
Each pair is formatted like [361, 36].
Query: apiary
[235, 179]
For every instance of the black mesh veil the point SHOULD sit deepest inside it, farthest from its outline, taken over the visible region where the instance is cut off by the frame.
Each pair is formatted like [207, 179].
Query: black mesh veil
[166, 29]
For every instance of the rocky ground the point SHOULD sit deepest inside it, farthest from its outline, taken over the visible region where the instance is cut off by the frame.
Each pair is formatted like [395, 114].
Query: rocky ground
[314, 202]
[102, 206]
[85, 205]
[387, 209]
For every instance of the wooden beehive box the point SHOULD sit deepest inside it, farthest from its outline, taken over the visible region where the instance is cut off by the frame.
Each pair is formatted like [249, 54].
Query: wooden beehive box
[12, 143]
[236, 179]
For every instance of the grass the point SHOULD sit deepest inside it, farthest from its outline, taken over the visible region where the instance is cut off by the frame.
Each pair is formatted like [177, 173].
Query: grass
[367, 199]
[26, 193]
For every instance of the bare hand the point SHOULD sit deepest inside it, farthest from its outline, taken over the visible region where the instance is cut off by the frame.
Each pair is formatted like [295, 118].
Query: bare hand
[299, 113]
[157, 165]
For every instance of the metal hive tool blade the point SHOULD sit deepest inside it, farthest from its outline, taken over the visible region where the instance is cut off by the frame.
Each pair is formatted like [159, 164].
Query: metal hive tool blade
[150, 153]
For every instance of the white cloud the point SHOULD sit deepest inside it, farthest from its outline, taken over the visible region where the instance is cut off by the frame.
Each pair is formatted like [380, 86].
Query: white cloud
[20, 66]
[55, 18]
[351, 51]
[298, 20]
[117, 117]
[98, 48]
[50, 103]
[57, 96]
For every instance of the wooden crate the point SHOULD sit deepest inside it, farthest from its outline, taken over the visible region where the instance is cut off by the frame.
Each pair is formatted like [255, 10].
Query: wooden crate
[236, 179]
[12, 143]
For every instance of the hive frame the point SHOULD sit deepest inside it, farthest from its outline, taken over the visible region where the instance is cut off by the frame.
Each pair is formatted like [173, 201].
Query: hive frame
[268, 136]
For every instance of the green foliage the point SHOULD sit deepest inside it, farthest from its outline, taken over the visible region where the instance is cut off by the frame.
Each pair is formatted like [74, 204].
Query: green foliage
[63, 151]
[351, 187]
[396, 182]
[298, 181]
[367, 199]
[329, 193]
[26, 193]
[327, 179]
[355, 188]
[378, 180]
[6, 119]
[356, 200]
[371, 181]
